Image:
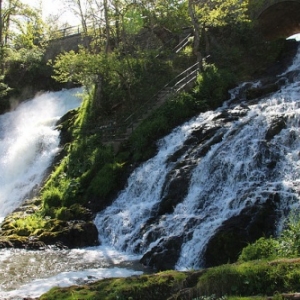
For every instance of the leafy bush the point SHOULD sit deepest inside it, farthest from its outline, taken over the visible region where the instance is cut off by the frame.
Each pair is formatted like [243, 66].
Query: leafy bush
[289, 240]
[251, 278]
[212, 85]
[175, 111]
[262, 249]
[105, 180]
[51, 197]
[28, 225]
[287, 245]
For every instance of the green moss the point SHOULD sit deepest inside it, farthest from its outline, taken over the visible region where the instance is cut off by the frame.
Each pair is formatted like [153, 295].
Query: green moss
[254, 280]
[159, 287]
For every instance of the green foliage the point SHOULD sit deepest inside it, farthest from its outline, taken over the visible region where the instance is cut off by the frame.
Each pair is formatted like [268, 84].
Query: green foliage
[121, 79]
[251, 278]
[26, 66]
[28, 225]
[172, 113]
[146, 287]
[212, 85]
[221, 13]
[133, 21]
[289, 240]
[105, 180]
[263, 248]
[4, 91]
[232, 282]
[51, 197]
[172, 14]
[212, 297]
[76, 67]
[74, 212]
[287, 245]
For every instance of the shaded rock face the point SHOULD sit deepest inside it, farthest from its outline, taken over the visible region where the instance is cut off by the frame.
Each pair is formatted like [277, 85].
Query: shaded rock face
[237, 232]
[163, 256]
[75, 234]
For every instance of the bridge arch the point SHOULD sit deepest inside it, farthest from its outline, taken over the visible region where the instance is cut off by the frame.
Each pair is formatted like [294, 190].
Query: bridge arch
[277, 18]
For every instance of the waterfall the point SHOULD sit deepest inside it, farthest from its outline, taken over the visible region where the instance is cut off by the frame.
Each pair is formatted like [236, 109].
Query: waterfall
[247, 164]
[28, 143]
[236, 157]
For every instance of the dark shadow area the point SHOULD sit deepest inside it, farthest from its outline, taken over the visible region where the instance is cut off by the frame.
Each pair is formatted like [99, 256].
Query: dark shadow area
[280, 20]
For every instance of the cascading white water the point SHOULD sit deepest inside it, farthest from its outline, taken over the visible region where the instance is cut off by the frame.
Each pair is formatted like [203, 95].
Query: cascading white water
[28, 143]
[230, 177]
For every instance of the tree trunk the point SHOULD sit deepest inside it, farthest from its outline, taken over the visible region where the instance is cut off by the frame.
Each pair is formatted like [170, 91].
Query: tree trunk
[197, 32]
[98, 92]
[1, 41]
[1, 25]
[107, 27]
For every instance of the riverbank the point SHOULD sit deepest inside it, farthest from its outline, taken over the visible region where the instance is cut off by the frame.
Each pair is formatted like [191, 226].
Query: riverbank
[269, 279]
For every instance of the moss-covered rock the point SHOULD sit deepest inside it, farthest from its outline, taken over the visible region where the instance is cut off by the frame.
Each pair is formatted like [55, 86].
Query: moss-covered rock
[146, 287]
[234, 281]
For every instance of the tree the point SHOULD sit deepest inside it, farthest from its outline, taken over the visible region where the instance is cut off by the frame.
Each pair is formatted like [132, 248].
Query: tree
[197, 31]
[80, 9]
[206, 14]
[20, 26]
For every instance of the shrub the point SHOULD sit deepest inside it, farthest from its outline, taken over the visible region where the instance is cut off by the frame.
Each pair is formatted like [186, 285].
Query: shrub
[212, 85]
[51, 197]
[105, 180]
[262, 249]
[28, 225]
[287, 245]
[289, 240]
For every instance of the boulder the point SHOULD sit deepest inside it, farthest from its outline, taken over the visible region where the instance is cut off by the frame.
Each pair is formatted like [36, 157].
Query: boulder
[237, 232]
[75, 234]
[164, 255]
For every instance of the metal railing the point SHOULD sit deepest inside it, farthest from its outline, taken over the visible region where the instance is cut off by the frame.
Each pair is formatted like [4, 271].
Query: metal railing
[121, 129]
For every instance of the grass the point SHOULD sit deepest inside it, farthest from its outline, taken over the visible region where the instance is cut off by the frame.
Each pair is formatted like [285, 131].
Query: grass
[251, 280]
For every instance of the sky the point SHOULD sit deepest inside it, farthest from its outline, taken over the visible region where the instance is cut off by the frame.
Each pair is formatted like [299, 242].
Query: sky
[54, 7]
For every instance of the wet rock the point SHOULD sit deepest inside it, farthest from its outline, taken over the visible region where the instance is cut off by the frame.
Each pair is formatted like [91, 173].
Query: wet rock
[75, 234]
[262, 91]
[62, 235]
[164, 255]
[235, 233]
[205, 133]
[276, 126]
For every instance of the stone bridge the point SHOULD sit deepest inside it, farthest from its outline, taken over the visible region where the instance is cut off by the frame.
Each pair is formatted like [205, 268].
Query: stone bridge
[276, 18]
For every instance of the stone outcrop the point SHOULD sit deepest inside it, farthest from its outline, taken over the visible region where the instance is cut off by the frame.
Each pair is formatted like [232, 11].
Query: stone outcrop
[237, 232]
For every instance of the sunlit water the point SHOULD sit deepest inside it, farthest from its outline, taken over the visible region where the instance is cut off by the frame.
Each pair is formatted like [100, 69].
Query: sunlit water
[32, 273]
[234, 174]
[28, 144]
[228, 178]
